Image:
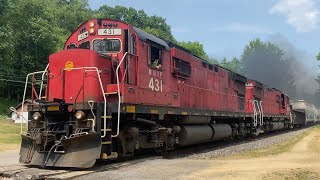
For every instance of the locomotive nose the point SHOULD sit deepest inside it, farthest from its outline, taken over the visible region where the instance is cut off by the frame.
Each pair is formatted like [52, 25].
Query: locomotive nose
[78, 75]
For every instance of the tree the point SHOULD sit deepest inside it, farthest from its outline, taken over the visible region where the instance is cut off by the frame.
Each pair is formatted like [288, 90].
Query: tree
[154, 25]
[46, 25]
[32, 30]
[70, 13]
[196, 48]
[6, 48]
[263, 61]
[5, 38]
[213, 60]
[233, 65]
[318, 56]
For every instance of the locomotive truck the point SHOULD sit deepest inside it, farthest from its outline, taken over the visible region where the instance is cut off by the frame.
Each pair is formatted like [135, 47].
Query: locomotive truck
[115, 90]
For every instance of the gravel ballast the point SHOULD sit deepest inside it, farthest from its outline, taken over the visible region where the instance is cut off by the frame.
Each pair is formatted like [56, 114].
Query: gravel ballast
[193, 162]
[185, 162]
[248, 145]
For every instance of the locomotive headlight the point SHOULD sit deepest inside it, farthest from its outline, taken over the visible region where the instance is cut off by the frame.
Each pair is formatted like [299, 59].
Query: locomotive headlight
[79, 115]
[36, 116]
[91, 30]
[91, 24]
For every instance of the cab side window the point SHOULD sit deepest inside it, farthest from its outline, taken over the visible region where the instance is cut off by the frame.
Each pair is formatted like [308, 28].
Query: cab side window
[155, 59]
[132, 44]
[71, 46]
[84, 45]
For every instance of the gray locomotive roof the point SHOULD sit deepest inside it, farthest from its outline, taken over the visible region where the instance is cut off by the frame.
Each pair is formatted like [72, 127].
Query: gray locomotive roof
[143, 36]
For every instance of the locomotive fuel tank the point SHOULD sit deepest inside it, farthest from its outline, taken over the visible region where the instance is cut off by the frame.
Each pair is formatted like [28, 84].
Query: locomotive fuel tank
[275, 126]
[195, 134]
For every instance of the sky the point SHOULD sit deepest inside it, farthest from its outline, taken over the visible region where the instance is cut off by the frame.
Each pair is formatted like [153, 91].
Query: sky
[225, 27]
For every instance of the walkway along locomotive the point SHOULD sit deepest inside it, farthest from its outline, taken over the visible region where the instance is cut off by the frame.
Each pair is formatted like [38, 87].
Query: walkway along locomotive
[116, 90]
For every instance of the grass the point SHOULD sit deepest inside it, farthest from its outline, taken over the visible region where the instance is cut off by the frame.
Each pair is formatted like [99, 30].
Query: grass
[293, 174]
[10, 138]
[276, 149]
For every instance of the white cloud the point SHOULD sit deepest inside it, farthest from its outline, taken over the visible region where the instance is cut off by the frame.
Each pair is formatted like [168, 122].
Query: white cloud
[302, 14]
[242, 28]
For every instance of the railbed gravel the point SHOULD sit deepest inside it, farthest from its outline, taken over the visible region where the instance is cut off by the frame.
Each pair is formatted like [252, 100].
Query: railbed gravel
[183, 163]
[246, 145]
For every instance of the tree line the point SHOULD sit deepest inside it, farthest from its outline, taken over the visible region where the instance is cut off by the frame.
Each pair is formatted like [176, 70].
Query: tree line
[32, 30]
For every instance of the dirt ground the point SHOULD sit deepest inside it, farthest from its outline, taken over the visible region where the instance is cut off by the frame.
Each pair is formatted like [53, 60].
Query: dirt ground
[9, 157]
[302, 161]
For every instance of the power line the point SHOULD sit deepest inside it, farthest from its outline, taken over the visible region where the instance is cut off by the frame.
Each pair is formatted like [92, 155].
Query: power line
[18, 76]
[17, 85]
[12, 76]
[10, 80]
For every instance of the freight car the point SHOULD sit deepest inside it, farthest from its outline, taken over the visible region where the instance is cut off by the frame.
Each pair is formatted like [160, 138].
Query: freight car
[304, 113]
[116, 90]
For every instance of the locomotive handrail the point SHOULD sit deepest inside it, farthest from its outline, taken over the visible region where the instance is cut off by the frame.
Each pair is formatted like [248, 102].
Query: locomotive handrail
[24, 96]
[45, 70]
[104, 97]
[258, 104]
[259, 109]
[119, 96]
[262, 115]
[255, 113]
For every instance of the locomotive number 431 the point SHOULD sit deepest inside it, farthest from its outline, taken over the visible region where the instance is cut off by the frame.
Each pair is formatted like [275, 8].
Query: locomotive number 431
[105, 32]
[155, 84]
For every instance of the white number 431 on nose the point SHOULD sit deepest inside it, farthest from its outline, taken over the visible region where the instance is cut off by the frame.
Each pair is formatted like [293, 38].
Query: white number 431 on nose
[155, 85]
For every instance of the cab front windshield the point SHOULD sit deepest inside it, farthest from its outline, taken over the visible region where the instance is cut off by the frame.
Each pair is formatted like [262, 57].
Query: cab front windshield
[107, 46]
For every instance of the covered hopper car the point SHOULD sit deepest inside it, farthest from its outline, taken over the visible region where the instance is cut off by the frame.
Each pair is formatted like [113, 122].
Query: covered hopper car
[304, 113]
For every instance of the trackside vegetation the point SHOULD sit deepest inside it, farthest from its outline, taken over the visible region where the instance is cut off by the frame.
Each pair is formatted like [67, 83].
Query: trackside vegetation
[9, 135]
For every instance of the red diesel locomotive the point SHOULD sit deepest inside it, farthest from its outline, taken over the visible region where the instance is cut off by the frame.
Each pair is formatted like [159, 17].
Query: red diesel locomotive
[116, 90]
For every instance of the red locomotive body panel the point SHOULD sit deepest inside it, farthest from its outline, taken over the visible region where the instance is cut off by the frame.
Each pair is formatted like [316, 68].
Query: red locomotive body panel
[206, 86]
[78, 85]
[273, 101]
[183, 80]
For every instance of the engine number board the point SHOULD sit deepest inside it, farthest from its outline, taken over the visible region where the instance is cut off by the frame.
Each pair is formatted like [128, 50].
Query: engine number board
[83, 35]
[112, 32]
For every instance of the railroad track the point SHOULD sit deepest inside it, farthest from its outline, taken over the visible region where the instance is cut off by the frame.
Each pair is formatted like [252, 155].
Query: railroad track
[22, 172]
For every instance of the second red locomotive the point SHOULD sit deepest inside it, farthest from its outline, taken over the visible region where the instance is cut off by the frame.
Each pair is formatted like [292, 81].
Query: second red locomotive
[116, 90]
